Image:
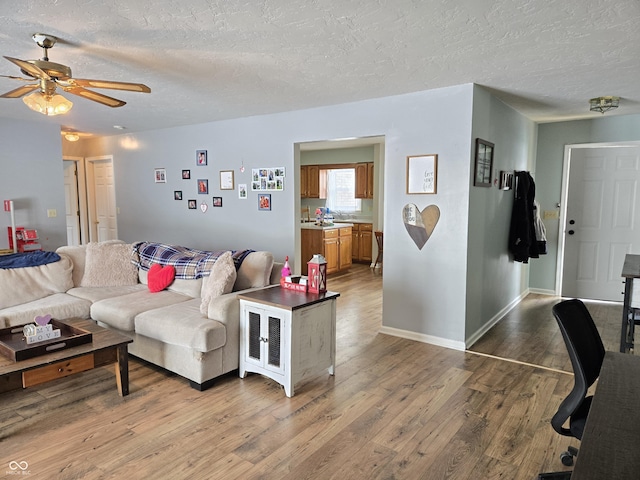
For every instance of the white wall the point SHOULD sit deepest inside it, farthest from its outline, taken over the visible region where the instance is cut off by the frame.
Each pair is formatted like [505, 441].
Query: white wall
[31, 174]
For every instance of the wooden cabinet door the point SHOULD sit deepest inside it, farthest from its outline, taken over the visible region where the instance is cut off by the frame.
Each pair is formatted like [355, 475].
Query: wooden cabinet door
[304, 184]
[344, 258]
[369, 192]
[313, 181]
[332, 253]
[361, 180]
[366, 245]
[355, 243]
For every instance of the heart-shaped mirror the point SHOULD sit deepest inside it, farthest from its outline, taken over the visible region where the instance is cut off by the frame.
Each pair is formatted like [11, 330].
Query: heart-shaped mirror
[420, 224]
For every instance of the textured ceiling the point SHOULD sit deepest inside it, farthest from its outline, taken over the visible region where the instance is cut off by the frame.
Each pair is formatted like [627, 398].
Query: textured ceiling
[208, 60]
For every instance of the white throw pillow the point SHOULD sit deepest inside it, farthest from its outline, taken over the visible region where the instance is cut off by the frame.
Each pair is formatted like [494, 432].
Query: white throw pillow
[109, 265]
[220, 281]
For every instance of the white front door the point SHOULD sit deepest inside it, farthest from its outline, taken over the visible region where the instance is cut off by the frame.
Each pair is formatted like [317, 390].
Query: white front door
[105, 221]
[602, 222]
[72, 207]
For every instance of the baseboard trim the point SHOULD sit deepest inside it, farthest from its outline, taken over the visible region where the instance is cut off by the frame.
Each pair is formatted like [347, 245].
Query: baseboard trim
[496, 318]
[542, 291]
[423, 338]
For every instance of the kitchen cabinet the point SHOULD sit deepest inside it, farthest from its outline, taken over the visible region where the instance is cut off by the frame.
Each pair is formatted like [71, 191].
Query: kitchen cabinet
[334, 244]
[362, 242]
[286, 335]
[364, 180]
[309, 181]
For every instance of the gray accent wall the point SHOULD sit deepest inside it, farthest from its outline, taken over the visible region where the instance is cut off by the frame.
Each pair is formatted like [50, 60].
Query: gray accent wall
[552, 138]
[31, 174]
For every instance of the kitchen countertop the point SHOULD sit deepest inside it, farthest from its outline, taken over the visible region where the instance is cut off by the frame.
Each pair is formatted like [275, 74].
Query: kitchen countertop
[353, 220]
[313, 226]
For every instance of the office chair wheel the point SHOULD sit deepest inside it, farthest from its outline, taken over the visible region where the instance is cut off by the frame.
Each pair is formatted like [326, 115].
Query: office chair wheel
[567, 457]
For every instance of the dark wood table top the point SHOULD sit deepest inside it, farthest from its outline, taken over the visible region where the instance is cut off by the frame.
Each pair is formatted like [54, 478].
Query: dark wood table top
[631, 266]
[287, 299]
[102, 338]
[611, 442]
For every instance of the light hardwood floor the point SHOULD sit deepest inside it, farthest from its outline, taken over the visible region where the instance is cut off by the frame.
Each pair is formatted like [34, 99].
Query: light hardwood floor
[396, 409]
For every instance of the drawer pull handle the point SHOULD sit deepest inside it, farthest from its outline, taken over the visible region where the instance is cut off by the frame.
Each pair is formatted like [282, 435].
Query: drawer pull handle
[56, 346]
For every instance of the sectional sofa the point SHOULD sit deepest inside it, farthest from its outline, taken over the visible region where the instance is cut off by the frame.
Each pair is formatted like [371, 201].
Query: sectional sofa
[191, 327]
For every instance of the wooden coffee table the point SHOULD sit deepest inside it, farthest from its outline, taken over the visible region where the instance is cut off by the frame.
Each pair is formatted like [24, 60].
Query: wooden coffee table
[107, 347]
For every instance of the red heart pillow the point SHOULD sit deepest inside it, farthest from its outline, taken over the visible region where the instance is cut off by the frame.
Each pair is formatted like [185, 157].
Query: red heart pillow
[160, 277]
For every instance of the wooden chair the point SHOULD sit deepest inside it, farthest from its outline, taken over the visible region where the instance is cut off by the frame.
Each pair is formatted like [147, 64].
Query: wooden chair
[379, 241]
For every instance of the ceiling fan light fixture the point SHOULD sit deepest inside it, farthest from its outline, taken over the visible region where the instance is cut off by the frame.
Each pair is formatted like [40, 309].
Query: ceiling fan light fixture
[72, 137]
[48, 104]
[603, 104]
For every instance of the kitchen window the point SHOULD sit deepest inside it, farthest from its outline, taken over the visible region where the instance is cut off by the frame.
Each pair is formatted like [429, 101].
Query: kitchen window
[339, 185]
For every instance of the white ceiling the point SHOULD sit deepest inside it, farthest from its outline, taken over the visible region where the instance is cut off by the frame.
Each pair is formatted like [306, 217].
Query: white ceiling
[208, 60]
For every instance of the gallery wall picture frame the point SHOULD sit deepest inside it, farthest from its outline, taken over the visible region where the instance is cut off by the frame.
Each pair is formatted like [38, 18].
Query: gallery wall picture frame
[422, 174]
[226, 180]
[242, 191]
[177, 195]
[186, 174]
[217, 201]
[267, 179]
[160, 175]
[192, 204]
[203, 186]
[201, 157]
[483, 163]
[264, 201]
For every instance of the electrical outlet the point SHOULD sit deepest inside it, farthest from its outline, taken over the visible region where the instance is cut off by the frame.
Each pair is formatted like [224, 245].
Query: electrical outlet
[550, 215]
[52, 213]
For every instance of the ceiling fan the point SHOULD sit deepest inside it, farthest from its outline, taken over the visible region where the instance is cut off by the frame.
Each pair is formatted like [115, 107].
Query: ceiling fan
[49, 75]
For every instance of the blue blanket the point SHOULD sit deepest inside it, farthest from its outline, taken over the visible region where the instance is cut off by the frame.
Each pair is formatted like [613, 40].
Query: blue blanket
[27, 259]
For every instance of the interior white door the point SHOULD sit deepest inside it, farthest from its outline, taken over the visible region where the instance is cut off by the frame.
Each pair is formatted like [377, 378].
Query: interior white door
[71, 204]
[602, 220]
[105, 201]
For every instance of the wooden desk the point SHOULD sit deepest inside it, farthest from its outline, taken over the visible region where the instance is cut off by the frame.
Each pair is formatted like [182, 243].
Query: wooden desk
[611, 439]
[630, 271]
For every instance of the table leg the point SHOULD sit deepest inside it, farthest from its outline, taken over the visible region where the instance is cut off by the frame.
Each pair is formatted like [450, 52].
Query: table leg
[624, 343]
[122, 370]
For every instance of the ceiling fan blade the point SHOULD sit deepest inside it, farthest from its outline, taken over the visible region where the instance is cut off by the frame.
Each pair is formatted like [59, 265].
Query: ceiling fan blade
[131, 87]
[95, 96]
[30, 68]
[20, 91]
[17, 78]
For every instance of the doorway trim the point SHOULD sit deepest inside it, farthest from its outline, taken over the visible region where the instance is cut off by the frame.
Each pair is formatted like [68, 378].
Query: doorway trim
[563, 198]
[91, 194]
[82, 196]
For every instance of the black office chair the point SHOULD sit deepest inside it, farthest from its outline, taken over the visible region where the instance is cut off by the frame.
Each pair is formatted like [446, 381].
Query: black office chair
[586, 353]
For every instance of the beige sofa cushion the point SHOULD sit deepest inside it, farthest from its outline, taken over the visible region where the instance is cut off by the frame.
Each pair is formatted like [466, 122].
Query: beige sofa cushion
[119, 312]
[182, 324]
[77, 255]
[58, 305]
[220, 281]
[95, 294]
[189, 287]
[25, 284]
[109, 265]
[255, 271]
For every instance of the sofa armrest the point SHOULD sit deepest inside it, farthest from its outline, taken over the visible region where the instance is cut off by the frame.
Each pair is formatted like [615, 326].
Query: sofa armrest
[225, 309]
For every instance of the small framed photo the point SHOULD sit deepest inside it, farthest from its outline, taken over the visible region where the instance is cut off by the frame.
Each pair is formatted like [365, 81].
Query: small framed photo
[193, 205]
[242, 191]
[201, 157]
[186, 174]
[226, 180]
[203, 186]
[483, 163]
[217, 201]
[422, 174]
[160, 175]
[264, 201]
[177, 195]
